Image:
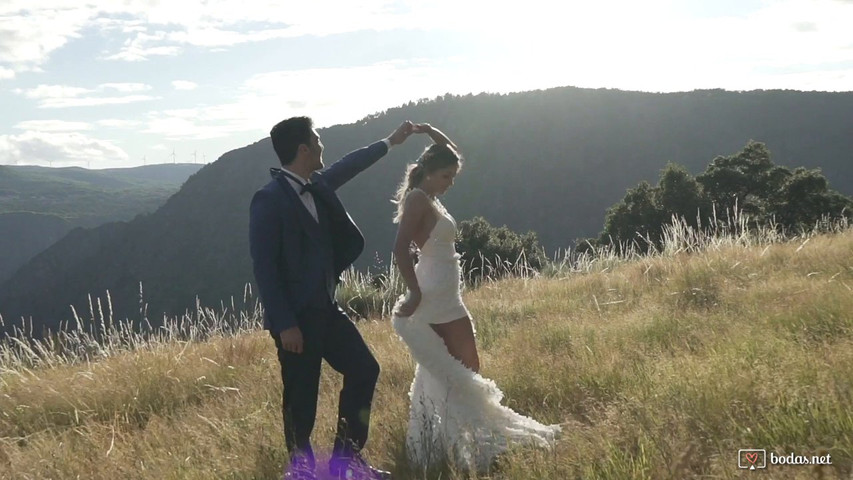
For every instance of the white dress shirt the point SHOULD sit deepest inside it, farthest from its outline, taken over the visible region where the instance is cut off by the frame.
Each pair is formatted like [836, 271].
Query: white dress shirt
[306, 197]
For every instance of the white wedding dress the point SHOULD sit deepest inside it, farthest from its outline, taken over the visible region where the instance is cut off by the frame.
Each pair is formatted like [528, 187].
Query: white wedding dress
[455, 415]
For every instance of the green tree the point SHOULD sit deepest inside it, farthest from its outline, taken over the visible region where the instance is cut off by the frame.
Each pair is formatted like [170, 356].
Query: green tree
[635, 215]
[805, 197]
[492, 252]
[679, 194]
[746, 181]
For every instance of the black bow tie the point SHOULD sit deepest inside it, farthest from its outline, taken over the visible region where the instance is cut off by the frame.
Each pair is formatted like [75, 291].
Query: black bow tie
[306, 187]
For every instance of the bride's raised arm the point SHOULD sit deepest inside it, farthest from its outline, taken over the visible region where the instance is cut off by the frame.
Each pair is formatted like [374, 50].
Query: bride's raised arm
[415, 208]
[435, 134]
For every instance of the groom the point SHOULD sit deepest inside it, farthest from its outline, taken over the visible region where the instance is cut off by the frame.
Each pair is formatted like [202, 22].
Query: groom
[301, 239]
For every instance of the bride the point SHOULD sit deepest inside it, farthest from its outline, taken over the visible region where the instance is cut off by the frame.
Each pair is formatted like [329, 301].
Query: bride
[455, 414]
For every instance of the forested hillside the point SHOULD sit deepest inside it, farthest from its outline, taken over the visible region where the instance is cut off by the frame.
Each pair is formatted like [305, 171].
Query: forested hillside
[549, 161]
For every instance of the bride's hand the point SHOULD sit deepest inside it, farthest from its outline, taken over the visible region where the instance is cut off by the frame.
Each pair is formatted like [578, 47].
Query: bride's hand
[421, 128]
[409, 305]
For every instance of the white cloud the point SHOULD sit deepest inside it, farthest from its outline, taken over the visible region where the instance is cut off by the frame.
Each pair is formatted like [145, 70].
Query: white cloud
[33, 29]
[555, 32]
[202, 123]
[321, 94]
[47, 148]
[64, 96]
[42, 92]
[53, 126]
[93, 101]
[125, 87]
[117, 123]
[6, 74]
[265, 99]
[145, 45]
[184, 85]
[28, 36]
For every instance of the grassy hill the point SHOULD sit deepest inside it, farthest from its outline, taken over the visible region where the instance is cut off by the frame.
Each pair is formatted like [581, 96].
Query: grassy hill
[661, 367]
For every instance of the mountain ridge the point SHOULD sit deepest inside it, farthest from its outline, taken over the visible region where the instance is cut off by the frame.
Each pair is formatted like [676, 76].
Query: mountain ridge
[551, 161]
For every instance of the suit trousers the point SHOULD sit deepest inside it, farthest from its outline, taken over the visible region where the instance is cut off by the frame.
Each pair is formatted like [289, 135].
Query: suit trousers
[327, 334]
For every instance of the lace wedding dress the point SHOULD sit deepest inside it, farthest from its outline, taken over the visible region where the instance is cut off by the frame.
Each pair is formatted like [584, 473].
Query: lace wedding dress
[455, 414]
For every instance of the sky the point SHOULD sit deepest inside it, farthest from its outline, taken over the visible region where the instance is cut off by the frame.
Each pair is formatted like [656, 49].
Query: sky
[120, 83]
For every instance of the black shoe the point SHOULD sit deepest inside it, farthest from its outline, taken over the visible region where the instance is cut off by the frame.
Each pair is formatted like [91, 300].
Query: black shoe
[356, 468]
[300, 469]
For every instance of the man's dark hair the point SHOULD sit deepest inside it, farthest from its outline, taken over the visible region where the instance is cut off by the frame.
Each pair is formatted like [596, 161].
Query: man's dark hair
[288, 134]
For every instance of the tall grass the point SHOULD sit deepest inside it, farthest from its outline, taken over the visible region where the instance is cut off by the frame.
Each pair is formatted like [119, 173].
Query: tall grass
[660, 365]
[735, 229]
[99, 335]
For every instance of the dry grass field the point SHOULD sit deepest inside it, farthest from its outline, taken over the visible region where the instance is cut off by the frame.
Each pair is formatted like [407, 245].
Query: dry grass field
[662, 366]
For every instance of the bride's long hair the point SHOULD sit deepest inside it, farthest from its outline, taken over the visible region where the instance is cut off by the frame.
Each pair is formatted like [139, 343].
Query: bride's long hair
[435, 157]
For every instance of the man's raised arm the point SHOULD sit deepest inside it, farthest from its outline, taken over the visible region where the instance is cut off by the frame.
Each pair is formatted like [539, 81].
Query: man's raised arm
[354, 162]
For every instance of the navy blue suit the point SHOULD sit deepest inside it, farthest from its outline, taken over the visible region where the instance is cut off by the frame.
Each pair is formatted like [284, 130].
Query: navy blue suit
[297, 264]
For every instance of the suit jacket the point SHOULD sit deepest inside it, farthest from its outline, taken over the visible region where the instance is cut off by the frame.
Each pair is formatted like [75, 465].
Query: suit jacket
[287, 262]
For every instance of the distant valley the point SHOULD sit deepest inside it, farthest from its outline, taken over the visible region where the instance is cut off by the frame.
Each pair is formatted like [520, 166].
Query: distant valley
[39, 205]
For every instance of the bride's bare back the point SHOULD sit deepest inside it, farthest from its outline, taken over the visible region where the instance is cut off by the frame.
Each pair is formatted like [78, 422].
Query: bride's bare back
[418, 220]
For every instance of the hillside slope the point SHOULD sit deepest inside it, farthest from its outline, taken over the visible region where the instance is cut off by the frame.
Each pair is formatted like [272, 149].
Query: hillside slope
[660, 367]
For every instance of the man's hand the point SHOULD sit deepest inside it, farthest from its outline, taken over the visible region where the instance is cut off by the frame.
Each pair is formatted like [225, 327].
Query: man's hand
[291, 339]
[421, 128]
[409, 305]
[401, 134]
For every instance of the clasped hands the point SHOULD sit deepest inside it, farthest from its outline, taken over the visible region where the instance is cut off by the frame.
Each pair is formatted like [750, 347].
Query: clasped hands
[405, 129]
